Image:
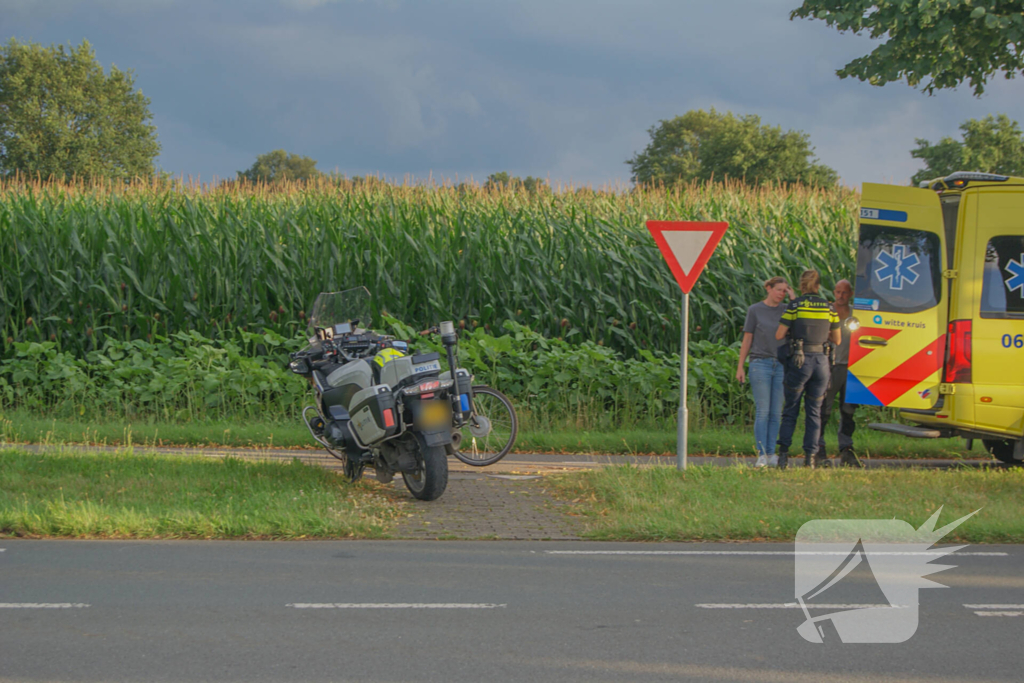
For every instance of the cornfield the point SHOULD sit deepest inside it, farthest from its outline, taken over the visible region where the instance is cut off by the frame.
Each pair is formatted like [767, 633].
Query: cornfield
[80, 265]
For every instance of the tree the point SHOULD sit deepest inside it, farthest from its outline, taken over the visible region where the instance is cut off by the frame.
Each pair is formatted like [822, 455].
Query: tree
[533, 185]
[529, 184]
[704, 146]
[278, 166]
[945, 41]
[500, 179]
[61, 117]
[993, 144]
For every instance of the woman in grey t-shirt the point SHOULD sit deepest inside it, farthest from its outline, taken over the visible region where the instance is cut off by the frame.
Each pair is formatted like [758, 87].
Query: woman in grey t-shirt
[766, 372]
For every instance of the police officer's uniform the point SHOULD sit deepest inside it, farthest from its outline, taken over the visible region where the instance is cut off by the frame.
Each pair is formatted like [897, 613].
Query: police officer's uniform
[810, 318]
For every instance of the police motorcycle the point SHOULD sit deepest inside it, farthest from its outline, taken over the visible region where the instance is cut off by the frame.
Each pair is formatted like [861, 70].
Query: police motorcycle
[376, 404]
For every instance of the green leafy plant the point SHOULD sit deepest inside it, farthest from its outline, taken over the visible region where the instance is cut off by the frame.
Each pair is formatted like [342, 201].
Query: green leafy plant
[187, 376]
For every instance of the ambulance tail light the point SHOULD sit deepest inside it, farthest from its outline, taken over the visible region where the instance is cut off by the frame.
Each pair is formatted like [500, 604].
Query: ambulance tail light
[958, 353]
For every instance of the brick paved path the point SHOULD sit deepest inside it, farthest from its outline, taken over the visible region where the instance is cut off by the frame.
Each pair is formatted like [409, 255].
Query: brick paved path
[481, 506]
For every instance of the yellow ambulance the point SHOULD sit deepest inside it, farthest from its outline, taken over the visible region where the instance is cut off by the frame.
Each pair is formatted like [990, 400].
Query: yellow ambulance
[938, 319]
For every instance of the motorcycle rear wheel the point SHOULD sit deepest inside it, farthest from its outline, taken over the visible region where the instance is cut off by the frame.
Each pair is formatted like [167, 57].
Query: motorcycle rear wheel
[431, 479]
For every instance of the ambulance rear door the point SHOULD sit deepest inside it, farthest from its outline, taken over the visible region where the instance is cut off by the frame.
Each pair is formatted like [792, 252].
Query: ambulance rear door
[900, 299]
[997, 365]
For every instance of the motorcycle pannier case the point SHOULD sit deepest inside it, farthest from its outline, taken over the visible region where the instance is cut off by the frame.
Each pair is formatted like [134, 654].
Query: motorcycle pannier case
[408, 370]
[465, 379]
[374, 417]
[464, 386]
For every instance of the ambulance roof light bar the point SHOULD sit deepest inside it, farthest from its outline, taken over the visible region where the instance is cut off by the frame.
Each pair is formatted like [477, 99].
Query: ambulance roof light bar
[960, 179]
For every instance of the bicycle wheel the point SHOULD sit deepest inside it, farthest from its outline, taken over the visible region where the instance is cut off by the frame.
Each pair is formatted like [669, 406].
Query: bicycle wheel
[490, 431]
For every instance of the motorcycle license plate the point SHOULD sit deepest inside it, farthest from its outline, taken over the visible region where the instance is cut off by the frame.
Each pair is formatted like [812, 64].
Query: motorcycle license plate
[435, 413]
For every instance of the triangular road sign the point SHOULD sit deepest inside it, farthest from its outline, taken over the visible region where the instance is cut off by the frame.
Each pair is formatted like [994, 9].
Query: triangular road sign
[686, 246]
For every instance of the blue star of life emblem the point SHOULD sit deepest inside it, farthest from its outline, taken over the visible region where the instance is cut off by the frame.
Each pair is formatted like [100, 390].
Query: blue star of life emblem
[897, 266]
[1016, 271]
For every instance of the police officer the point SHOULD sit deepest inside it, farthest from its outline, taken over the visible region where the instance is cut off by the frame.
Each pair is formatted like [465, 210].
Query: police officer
[837, 388]
[809, 322]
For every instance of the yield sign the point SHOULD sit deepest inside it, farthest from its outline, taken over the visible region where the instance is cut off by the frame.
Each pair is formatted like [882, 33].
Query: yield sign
[686, 246]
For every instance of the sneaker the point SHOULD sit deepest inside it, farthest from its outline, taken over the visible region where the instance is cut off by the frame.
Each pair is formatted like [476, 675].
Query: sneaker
[849, 459]
[773, 460]
[762, 461]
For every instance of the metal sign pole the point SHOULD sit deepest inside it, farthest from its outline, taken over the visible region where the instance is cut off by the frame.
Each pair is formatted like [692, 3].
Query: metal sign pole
[683, 418]
[686, 246]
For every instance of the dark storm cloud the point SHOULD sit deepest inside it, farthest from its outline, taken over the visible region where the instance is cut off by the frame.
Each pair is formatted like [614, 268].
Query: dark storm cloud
[562, 89]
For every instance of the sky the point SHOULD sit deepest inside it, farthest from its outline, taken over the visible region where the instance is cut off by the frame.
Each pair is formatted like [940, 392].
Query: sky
[456, 89]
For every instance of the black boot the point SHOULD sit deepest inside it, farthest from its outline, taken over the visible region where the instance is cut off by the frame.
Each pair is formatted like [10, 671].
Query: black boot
[783, 458]
[847, 458]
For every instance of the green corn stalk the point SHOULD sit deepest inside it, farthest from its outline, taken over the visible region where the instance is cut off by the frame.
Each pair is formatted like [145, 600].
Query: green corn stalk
[80, 265]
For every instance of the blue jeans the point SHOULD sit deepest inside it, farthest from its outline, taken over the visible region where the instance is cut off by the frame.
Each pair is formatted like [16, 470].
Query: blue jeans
[766, 375]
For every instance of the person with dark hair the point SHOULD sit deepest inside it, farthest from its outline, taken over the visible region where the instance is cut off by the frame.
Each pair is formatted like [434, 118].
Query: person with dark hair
[809, 322]
[766, 371]
[837, 388]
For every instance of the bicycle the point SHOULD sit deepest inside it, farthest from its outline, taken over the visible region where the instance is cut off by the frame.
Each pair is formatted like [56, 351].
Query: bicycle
[490, 429]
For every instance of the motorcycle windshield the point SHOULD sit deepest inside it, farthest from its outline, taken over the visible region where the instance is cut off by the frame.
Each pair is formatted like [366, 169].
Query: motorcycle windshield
[351, 306]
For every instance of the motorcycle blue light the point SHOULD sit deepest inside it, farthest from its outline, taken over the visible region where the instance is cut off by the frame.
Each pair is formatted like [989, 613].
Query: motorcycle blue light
[465, 403]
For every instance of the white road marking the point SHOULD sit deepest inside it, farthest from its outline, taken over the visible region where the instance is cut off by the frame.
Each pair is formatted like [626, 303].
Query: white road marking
[395, 605]
[789, 553]
[42, 605]
[788, 605]
[997, 610]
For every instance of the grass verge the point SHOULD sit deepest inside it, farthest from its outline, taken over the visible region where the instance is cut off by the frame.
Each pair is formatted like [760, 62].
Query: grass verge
[25, 427]
[733, 441]
[133, 495]
[733, 503]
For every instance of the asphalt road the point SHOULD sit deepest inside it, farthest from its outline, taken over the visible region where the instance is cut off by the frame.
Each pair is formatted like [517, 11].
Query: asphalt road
[471, 611]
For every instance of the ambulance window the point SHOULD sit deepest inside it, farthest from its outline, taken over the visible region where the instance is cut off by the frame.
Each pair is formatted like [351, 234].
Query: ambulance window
[1002, 284]
[898, 270]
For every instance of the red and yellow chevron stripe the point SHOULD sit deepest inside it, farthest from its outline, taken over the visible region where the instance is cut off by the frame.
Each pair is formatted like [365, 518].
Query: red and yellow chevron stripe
[889, 387]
